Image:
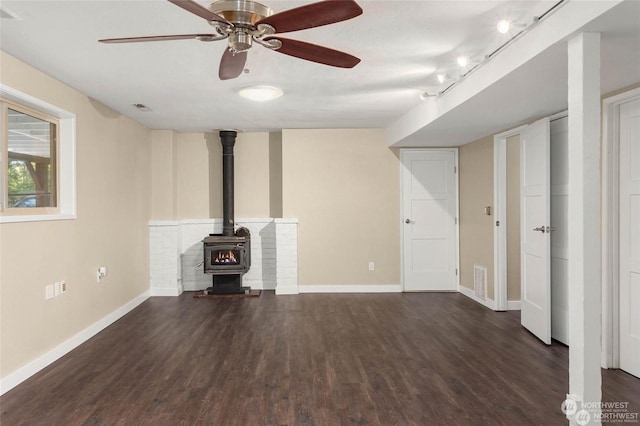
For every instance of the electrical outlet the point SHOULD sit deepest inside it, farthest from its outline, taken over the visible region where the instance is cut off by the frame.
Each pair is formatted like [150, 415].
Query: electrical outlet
[63, 286]
[56, 289]
[102, 272]
[48, 293]
[372, 266]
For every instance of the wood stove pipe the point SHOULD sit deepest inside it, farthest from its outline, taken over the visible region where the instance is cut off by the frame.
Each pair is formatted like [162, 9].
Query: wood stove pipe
[228, 140]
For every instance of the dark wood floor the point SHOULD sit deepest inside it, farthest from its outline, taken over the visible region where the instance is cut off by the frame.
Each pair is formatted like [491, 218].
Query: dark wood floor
[376, 359]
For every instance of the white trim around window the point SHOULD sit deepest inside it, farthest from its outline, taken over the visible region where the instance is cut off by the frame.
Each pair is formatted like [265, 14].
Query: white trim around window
[66, 156]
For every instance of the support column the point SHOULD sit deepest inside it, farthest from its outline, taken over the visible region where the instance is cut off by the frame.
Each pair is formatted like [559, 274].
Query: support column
[584, 228]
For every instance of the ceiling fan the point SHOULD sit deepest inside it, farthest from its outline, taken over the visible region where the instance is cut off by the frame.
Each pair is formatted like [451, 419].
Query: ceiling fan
[244, 21]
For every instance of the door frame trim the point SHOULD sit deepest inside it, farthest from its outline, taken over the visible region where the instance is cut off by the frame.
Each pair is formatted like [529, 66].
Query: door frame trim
[610, 206]
[402, 212]
[500, 211]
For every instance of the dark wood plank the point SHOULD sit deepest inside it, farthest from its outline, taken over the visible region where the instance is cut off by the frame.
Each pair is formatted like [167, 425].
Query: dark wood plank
[370, 359]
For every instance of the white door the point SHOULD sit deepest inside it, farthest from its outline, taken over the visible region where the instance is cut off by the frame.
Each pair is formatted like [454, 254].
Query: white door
[429, 197]
[630, 237]
[535, 229]
[559, 237]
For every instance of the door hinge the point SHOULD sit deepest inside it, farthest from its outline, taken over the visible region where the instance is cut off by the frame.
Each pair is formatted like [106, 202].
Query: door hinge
[497, 223]
[456, 219]
[456, 271]
[455, 169]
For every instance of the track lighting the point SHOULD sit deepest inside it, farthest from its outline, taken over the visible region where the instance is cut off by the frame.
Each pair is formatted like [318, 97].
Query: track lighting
[425, 95]
[503, 26]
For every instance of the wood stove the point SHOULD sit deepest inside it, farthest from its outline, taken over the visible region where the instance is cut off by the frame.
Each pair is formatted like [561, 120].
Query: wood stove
[227, 256]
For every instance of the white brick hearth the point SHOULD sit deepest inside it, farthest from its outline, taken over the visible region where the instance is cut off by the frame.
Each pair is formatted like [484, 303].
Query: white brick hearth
[175, 255]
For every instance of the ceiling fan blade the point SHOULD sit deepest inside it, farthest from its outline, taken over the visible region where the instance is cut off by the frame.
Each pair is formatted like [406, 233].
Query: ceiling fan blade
[198, 9]
[315, 53]
[313, 15]
[155, 38]
[231, 65]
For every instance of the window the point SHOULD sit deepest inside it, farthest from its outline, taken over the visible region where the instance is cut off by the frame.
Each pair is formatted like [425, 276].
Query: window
[37, 162]
[31, 158]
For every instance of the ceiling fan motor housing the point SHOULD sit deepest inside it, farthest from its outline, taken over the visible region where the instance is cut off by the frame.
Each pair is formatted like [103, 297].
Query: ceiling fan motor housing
[241, 13]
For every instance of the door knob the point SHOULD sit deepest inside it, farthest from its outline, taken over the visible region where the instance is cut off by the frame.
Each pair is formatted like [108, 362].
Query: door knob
[409, 221]
[540, 229]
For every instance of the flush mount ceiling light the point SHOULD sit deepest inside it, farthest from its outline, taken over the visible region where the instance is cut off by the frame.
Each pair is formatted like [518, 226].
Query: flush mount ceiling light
[261, 93]
[441, 78]
[462, 61]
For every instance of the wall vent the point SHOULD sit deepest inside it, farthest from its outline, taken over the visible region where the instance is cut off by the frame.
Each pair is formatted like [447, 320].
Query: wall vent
[480, 282]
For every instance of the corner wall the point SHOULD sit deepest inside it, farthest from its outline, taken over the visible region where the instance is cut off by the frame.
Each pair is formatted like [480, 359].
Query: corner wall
[342, 185]
[187, 172]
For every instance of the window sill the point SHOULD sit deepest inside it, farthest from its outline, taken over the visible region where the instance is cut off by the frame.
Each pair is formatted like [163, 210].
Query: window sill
[36, 218]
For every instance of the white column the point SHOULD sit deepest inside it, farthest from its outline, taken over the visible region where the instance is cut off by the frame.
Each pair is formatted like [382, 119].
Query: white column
[584, 227]
[164, 267]
[286, 256]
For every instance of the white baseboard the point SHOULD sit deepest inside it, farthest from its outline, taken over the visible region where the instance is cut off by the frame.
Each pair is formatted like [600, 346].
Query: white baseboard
[283, 290]
[513, 305]
[365, 288]
[489, 303]
[158, 291]
[23, 373]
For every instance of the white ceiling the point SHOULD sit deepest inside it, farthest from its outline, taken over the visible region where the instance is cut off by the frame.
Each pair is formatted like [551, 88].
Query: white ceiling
[403, 46]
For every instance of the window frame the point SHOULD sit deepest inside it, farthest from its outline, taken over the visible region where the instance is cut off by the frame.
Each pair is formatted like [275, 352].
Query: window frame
[6, 106]
[65, 158]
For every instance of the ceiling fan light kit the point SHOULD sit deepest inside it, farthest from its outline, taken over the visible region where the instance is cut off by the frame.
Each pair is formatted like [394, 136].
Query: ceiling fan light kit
[243, 22]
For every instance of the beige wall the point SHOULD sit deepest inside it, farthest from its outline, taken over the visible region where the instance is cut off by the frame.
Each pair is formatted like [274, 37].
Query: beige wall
[114, 203]
[164, 174]
[190, 164]
[513, 218]
[252, 175]
[337, 182]
[275, 173]
[344, 186]
[476, 228]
